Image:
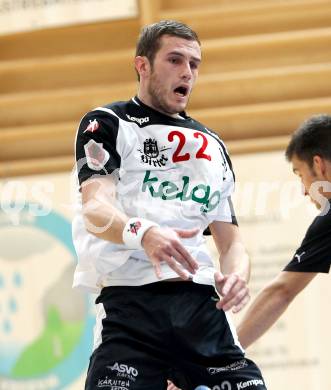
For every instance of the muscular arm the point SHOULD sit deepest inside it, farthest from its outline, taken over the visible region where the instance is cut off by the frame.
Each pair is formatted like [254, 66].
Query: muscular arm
[233, 256]
[103, 219]
[270, 304]
[231, 283]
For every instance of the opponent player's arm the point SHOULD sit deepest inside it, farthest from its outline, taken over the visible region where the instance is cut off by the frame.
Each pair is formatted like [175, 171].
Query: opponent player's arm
[105, 221]
[232, 281]
[270, 304]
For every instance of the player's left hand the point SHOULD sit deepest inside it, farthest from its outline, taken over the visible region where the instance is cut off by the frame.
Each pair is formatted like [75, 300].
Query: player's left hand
[233, 290]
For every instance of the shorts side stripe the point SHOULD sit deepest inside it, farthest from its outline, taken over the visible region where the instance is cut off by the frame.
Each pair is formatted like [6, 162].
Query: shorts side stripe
[100, 315]
[233, 331]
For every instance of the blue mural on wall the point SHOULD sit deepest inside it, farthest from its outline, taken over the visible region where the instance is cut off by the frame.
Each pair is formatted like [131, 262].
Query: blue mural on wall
[45, 327]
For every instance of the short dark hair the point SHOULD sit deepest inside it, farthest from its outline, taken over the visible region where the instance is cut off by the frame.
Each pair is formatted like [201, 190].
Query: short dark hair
[149, 39]
[312, 138]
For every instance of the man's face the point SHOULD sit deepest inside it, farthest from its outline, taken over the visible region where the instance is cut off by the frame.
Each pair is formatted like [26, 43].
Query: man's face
[173, 74]
[307, 175]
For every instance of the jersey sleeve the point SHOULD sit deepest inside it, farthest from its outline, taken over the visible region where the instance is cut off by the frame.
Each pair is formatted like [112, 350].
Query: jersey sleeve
[225, 210]
[226, 215]
[95, 148]
[314, 253]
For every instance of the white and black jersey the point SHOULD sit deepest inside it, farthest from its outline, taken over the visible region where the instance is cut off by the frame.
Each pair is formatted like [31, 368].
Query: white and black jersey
[314, 253]
[172, 171]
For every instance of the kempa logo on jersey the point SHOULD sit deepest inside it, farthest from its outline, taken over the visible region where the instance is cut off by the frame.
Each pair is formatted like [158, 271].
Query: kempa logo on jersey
[169, 190]
[251, 383]
[124, 369]
[141, 121]
[92, 126]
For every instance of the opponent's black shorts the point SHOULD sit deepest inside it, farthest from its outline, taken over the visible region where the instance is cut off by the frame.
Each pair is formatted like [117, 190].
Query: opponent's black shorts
[167, 330]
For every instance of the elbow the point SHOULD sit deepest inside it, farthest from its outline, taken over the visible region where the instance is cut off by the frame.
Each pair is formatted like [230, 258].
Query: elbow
[95, 219]
[90, 225]
[102, 226]
[93, 225]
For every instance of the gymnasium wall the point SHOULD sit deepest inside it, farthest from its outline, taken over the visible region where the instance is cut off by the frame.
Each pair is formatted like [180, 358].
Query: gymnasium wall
[46, 327]
[266, 67]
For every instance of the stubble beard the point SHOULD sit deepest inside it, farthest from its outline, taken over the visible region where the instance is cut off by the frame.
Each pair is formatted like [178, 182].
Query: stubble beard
[159, 103]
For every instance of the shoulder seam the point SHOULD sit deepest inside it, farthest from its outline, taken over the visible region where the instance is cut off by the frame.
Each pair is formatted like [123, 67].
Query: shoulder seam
[107, 110]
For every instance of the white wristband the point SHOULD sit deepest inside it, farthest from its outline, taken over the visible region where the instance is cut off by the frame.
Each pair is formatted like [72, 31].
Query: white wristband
[134, 231]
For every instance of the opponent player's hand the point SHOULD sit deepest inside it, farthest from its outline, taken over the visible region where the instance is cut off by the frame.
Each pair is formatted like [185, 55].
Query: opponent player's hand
[233, 290]
[163, 244]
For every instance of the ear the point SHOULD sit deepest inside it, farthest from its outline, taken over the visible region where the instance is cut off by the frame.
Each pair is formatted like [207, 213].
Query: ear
[142, 66]
[319, 166]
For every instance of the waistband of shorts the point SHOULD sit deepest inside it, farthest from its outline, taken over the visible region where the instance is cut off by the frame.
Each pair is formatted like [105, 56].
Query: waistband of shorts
[162, 287]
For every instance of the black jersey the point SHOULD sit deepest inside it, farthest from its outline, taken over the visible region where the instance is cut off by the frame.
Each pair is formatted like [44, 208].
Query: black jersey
[314, 253]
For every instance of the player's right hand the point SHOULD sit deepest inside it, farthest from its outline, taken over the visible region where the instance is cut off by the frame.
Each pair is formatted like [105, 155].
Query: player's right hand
[163, 244]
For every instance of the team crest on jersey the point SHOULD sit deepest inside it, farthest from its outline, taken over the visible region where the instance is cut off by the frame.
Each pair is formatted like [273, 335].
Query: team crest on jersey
[96, 155]
[151, 153]
[92, 127]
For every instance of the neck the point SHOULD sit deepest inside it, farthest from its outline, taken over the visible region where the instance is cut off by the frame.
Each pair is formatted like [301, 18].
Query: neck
[146, 99]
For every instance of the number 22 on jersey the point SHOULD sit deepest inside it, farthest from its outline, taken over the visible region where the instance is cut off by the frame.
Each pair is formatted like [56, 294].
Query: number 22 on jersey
[200, 153]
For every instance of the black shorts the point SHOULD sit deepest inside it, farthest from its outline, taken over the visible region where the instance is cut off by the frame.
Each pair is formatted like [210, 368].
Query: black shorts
[167, 330]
